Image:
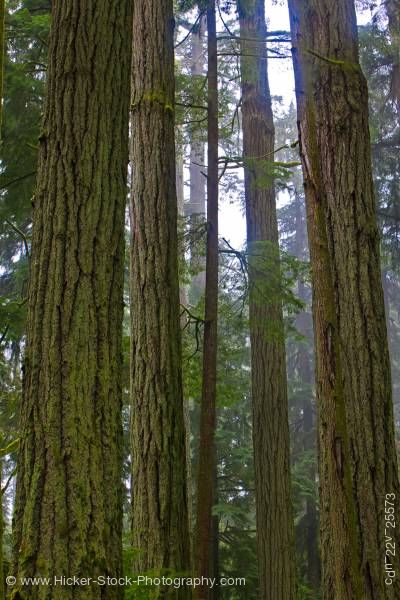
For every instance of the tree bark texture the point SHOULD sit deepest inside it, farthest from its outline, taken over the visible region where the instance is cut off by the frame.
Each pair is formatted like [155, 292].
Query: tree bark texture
[68, 508]
[275, 535]
[207, 457]
[159, 485]
[357, 456]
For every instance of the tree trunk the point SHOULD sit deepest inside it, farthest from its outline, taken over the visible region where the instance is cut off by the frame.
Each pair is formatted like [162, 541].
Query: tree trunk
[68, 508]
[196, 207]
[306, 377]
[159, 493]
[357, 455]
[206, 469]
[183, 299]
[197, 198]
[275, 536]
[392, 8]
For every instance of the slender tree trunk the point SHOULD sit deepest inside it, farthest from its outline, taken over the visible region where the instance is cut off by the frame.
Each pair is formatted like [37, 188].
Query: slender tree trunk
[392, 8]
[159, 486]
[357, 455]
[306, 377]
[196, 207]
[183, 298]
[197, 198]
[195, 210]
[68, 508]
[206, 472]
[275, 536]
[305, 374]
[180, 183]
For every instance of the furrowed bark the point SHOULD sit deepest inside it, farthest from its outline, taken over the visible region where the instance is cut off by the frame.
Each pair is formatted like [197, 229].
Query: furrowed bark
[357, 455]
[159, 495]
[275, 535]
[68, 508]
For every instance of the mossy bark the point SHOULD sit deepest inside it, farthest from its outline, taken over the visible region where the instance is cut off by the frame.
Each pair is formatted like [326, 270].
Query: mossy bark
[275, 535]
[357, 455]
[159, 485]
[206, 479]
[68, 508]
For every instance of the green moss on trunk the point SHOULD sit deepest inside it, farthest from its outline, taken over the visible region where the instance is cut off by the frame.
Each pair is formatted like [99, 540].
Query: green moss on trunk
[357, 454]
[159, 499]
[68, 510]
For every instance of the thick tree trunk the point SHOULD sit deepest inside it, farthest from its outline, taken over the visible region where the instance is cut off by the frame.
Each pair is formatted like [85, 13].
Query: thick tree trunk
[159, 493]
[68, 509]
[357, 462]
[275, 536]
[206, 469]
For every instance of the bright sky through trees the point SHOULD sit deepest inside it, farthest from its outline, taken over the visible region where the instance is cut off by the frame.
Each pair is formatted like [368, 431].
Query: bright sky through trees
[280, 71]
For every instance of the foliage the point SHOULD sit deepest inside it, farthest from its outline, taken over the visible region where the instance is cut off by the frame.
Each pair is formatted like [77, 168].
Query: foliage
[27, 28]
